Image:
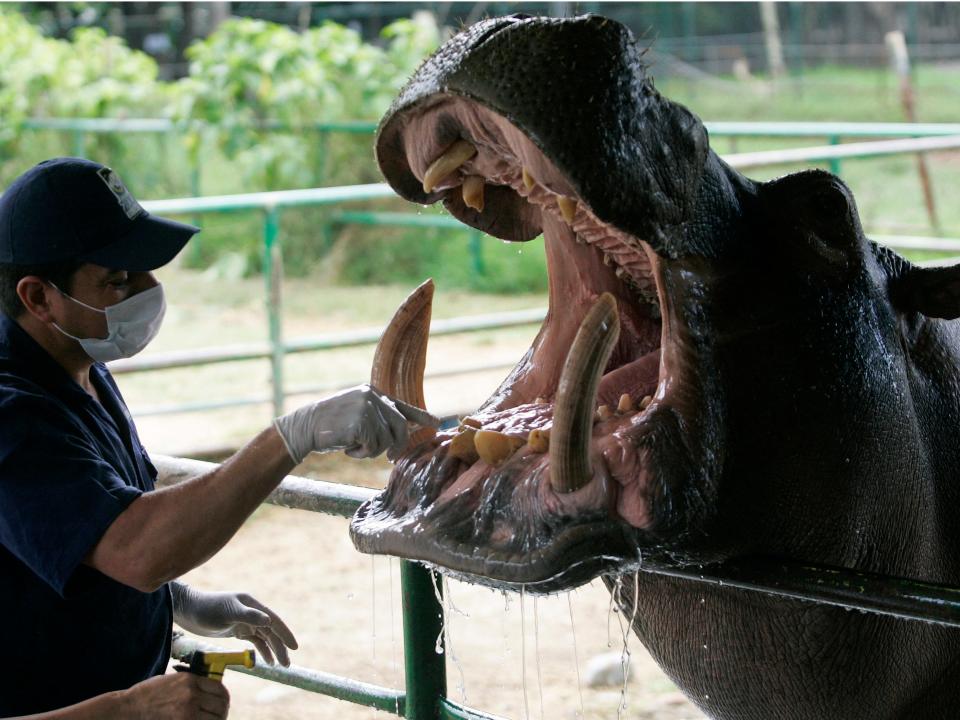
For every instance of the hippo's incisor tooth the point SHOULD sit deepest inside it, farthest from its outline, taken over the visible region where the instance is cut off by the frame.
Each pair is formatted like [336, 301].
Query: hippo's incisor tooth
[540, 401]
[626, 404]
[568, 208]
[401, 354]
[471, 422]
[570, 466]
[452, 158]
[539, 440]
[473, 192]
[463, 446]
[495, 447]
[645, 403]
[528, 180]
[604, 412]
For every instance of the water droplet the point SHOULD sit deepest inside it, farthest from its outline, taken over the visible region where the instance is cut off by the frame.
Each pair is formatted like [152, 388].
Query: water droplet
[704, 646]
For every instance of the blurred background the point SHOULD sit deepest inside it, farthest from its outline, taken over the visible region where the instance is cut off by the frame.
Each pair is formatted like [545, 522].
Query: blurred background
[277, 301]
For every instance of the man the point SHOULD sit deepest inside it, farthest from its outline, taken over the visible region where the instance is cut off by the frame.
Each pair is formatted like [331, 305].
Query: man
[89, 551]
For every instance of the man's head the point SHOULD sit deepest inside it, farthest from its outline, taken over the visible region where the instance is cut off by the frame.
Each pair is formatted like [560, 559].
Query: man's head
[67, 212]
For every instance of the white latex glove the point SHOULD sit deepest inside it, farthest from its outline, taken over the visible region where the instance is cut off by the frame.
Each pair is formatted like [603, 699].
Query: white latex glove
[361, 421]
[229, 614]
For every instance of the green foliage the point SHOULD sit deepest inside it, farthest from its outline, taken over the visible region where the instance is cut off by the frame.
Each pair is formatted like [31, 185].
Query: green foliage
[262, 87]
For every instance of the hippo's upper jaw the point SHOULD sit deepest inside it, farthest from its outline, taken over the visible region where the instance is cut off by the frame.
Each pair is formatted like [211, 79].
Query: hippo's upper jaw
[520, 132]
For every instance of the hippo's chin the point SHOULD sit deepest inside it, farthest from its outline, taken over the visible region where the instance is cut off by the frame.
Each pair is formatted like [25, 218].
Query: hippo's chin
[570, 467]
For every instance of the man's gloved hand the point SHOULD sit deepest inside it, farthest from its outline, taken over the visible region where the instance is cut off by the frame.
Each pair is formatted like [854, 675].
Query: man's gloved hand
[360, 420]
[228, 614]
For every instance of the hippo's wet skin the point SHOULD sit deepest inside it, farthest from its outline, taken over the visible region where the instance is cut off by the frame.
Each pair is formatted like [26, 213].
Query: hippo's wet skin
[785, 386]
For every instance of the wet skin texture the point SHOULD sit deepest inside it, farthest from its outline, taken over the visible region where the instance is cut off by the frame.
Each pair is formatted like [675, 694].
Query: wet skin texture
[804, 382]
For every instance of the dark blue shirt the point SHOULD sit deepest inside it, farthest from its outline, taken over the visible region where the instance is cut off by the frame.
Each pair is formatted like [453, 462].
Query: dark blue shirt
[69, 465]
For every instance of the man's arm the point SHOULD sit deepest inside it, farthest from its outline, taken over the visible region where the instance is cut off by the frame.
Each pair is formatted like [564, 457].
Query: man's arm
[163, 534]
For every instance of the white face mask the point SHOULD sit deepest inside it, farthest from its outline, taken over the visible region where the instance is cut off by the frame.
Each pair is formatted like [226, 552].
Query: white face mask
[131, 325]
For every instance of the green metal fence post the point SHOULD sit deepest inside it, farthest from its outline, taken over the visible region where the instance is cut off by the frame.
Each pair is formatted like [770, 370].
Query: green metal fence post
[835, 162]
[476, 252]
[273, 274]
[425, 668]
[79, 142]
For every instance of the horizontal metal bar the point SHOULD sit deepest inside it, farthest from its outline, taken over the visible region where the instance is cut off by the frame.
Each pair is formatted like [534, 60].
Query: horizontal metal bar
[915, 242]
[362, 336]
[821, 129]
[721, 128]
[396, 219]
[900, 597]
[450, 710]
[296, 390]
[294, 492]
[269, 200]
[335, 686]
[849, 150]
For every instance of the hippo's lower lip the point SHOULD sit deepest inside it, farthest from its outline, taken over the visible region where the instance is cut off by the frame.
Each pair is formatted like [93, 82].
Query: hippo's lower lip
[504, 516]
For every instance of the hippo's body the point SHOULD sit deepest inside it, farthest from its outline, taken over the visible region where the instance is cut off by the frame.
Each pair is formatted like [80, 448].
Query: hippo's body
[786, 387]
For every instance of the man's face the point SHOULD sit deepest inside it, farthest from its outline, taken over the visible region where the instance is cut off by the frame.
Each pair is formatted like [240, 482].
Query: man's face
[98, 287]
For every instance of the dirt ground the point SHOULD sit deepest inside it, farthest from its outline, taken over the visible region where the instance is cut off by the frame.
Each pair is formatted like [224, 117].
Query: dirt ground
[517, 658]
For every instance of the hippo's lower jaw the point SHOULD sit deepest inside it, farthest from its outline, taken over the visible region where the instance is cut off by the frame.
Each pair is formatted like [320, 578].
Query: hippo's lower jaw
[541, 487]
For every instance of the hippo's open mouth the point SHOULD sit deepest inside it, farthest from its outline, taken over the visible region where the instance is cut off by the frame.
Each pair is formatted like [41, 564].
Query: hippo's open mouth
[604, 438]
[556, 476]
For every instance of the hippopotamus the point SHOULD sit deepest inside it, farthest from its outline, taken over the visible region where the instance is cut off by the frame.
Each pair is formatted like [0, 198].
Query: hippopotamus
[727, 368]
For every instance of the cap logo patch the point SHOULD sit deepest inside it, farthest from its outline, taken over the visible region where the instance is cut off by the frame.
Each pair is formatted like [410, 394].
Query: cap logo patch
[129, 203]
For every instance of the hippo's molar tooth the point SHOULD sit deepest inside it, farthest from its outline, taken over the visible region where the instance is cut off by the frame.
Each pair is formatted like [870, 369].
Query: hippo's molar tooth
[568, 208]
[454, 156]
[463, 446]
[570, 466]
[625, 405]
[540, 401]
[645, 403]
[473, 192]
[607, 260]
[494, 447]
[539, 440]
[528, 180]
[604, 412]
[471, 422]
[620, 272]
[401, 354]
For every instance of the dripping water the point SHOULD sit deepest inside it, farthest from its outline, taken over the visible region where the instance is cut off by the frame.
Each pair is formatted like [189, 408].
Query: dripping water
[523, 651]
[373, 605]
[576, 660]
[536, 647]
[438, 647]
[452, 655]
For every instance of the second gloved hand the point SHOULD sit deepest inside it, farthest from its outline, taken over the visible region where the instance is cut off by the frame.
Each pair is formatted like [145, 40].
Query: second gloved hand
[361, 421]
[229, 614]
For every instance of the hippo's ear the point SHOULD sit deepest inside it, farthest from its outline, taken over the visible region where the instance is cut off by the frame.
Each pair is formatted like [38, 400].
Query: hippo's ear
[932, 291]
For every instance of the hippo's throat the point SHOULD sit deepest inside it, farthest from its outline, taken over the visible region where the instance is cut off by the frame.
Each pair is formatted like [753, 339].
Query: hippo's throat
[574, 462]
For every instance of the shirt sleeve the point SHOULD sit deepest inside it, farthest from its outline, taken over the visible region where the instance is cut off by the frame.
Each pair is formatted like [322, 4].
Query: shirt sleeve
[57, 494]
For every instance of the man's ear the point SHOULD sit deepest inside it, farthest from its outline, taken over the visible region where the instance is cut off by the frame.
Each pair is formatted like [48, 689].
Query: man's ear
[34, 294]
[932, 291]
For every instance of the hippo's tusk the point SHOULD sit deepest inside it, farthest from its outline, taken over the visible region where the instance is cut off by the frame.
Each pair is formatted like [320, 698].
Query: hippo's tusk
[568, 208]
[570, 467]
[454, 156]
[401, 354]
[473, 192]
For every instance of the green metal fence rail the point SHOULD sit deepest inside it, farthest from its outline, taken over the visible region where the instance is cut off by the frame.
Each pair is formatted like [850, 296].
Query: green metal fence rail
[834, 132]
[425, 698]
[424, 668]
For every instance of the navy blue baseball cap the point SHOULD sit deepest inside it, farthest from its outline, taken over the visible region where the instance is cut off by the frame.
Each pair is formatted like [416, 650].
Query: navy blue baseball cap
[76, 209]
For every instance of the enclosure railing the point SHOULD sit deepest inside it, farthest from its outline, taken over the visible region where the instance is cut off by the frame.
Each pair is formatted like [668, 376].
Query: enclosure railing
[834, 132]
[424, 697]
[272, 203]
